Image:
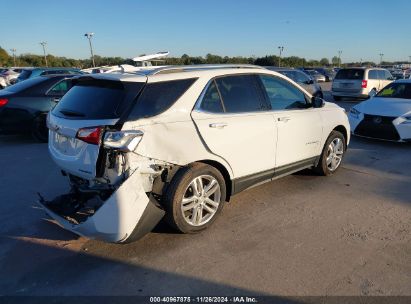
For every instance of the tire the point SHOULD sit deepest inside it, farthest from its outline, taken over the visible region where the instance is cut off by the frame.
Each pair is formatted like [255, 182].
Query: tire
[337, 98]
[334, 147]
[185, 184]
[39, 128]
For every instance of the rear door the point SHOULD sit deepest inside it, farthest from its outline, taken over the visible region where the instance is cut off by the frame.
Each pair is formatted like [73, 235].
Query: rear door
[236, 124]
[77, 122]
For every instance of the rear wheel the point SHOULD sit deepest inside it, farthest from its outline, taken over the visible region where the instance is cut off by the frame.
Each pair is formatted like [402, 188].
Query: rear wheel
[332, 154]
[39, 128]
[194, 198]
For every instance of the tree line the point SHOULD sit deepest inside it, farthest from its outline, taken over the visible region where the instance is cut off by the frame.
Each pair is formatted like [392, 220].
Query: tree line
[31, 60]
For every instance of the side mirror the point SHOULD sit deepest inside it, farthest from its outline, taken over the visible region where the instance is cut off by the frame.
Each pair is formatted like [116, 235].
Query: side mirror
[372, 94]
[317, 102]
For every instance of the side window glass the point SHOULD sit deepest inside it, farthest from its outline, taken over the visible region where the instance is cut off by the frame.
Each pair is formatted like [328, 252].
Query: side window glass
[60, 88]
[282, 94]
[373, 74]
[211, 101]
[241, 93]
[388, 75]
[381, 74]
[157, 97]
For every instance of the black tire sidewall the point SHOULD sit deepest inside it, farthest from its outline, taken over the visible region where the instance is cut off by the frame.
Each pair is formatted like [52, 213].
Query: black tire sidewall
[322, 167]
[176, 191]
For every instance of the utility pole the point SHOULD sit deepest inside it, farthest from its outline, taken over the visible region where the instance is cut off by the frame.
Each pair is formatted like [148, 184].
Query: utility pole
[339, 58]
[14, 56]
[43, 44]
[381, 55]
[281, 48]
[89, 36]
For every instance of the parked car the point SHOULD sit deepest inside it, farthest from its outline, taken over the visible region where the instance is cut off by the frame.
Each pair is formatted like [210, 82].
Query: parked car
[35, 72]
[397, 74]
[24, 106]
[359, 82]
[302, 79]
[8, 76]
[328, 74]
[194, 137]
[315, 75]
[387, 115]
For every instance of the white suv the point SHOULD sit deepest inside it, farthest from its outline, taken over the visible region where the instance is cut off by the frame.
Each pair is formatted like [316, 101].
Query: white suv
[179, 142]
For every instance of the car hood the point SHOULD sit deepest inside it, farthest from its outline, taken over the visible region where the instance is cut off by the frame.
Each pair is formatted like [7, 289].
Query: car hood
[385, 106]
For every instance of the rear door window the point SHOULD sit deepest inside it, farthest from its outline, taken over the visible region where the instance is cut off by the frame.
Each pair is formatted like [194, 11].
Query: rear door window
[60, 88]
[211, 101]
[350, 74]
[157, 97]
[93, 99]
[241, 93]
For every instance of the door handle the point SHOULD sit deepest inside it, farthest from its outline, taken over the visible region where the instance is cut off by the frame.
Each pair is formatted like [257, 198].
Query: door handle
[284, 119]
[55, 99]
[218, 125]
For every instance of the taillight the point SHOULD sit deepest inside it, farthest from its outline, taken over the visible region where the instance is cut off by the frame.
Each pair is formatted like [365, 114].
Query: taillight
[364, 84]
[3, 102]
[90, 135]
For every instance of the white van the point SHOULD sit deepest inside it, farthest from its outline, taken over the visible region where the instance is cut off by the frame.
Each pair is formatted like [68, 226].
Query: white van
[359, 82]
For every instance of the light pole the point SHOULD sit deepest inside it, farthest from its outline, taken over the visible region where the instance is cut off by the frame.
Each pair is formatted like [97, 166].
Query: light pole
[339, 58]
[381, 55]
[43, 44]
[89, 36]
[281, 48]
[360, 61]
[14, 55]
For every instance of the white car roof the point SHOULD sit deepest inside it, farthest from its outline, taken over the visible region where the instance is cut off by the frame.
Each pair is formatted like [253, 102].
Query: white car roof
[180, 72]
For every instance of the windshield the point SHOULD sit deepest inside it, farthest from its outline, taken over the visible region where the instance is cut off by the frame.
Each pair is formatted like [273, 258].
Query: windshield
[396, 90]
[352, 74]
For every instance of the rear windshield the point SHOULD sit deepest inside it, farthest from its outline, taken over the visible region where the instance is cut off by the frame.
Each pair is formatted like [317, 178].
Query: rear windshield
[396, 90]
[158, 97]
[24, 74]
[21, 86]
[352, 74]
[92, 99]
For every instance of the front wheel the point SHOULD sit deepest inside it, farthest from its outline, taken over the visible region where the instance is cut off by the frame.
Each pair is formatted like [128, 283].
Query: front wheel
[332, 154]
[194, 198]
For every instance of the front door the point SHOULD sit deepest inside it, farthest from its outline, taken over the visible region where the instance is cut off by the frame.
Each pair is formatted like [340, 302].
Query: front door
[299, 125]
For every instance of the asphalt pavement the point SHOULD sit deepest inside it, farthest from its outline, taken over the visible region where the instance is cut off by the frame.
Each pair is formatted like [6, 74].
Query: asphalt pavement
[348, 234]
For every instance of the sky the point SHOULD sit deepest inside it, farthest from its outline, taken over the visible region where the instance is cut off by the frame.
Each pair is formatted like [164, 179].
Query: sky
[361, 29]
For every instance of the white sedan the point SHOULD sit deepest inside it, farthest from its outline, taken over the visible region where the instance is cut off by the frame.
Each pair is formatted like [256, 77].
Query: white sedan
[385, 116]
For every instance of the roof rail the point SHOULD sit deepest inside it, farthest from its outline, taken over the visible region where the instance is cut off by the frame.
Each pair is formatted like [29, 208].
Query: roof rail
[199, 67]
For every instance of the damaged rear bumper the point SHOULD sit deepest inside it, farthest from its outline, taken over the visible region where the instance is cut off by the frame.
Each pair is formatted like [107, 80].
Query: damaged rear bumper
[127, 215]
